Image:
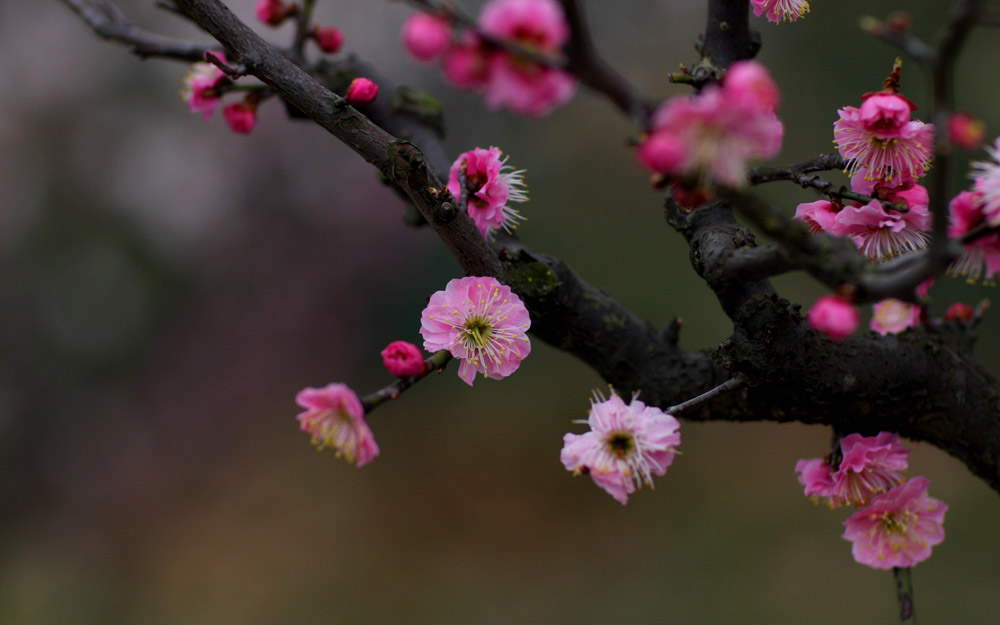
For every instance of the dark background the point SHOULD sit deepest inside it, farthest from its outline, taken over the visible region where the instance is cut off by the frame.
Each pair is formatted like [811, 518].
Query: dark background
[166, 288]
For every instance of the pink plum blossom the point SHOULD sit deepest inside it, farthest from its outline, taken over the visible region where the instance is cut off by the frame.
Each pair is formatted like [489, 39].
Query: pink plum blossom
[880, 139]
[626, 446]
[778, 11]
[426, 36]
[201, 86]
[717, 131]
[869, 465]
[480, 322]
[335, 418]
[272, 12]
[361, 92]
[892, 316]
[491, 184]
[980, 258]
[403, 359]
[466, 62]
[965, 131]
[833, 317]
[880, 234]
[820, 216]
[898, 528]
[328, 38]
[241, 117]
[986, 177]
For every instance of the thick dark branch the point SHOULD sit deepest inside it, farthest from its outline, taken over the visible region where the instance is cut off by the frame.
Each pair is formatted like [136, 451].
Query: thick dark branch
[110, 23]
[727, 39]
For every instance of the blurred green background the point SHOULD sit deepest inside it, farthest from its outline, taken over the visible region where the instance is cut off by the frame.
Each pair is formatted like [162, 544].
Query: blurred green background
[167, 288]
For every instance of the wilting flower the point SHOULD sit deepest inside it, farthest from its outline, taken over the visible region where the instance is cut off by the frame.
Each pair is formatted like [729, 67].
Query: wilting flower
[898, 528]
[403, 359]
[626, 446]
[780, 10]
[833, 317]
[335, 418]
[426, 36]
[480, 322]
[492, 185]
[201, 87]
[892, 316]
[980, 258]
[880, 139]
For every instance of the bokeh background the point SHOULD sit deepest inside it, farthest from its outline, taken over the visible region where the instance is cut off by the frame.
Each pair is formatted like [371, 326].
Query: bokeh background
[167, 288]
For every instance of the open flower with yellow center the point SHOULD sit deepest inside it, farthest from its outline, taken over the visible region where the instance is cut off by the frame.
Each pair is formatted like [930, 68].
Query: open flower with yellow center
[480, 322]
[626, 446]
[335, 418]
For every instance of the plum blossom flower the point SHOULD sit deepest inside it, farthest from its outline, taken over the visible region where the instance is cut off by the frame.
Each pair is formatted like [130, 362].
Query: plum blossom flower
[426, 36]
[833, 317]
[492, 185]
[980, 258]
[335, 418]
[328, 38]
[714, 134]
[869, 465]
[480, 322]
[272, 12]
[466, 62]
[820, 216]
[966, 131]
[898, 528]
[986, 177]
[403, 359]
[626, 446]
[241, 117]
[201, 86]
[361, 92]
[881, 140]
[778, 11]
[892, 316]
[880, 234]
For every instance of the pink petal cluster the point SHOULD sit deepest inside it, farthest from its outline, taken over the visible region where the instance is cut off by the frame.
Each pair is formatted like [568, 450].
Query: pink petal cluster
[361, 92]
[898, 528]
[778, 11]
[986, 177]
[201, 85]
[712, 136]
[426, 36]
[491, 185]
[833, 317]
[480, 322]
[521, 85]
[403, 359]
[241, 117]
[626, 446]
[869, 465]
[328, 38]
[335, 418]
[880, 141]
[892, 316]
[980, 258]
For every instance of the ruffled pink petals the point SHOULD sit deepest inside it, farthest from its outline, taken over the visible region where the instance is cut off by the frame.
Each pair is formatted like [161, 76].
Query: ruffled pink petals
[986, 177]
[820, 216]
[869, 465]
[898, 528]
[201, 87]
[980, 258]
[778, 11]
[492, 185]
[887, 149]
[881, 234]
[480, 322]
[626, 446]
[834, 317]
[335, 418]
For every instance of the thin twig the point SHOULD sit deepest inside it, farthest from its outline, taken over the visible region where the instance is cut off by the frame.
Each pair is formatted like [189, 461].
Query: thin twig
[110, 23]
[436, 362]
[725, 387]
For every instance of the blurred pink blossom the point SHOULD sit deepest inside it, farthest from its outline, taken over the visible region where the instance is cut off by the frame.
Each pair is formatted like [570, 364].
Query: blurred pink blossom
[833, 317]
[778, 11]
[426, 36]
[892, 316]
[335, 418]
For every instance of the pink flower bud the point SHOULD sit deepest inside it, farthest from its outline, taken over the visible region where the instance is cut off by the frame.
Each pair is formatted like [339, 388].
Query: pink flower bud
[965, 131]
[329, 39]
[241, 117]
[661, 153]
[272, 12]
[959, 312]
[833, 317]
[426, 36]
[361, 92]
[403, 359]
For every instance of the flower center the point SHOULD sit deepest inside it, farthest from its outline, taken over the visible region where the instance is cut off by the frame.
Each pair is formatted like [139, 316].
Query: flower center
[477, 331]
[620, 444]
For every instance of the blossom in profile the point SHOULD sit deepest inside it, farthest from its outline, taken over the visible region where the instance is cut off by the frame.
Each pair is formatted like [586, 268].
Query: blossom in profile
[892, 316]
[201, 87]
[328, 38]
[492, 185]
[522, 85]
[480, 322]
[882, 141]
[778, 11]
[241, 117]
[980, 258]
[426, 36]
[626, 446]
[361, 92]
[986, 177]
[833, 317]
[335, 418]
[869, 465]
[820, 216]
[898, 528]
[403, 359]
[713, 135]
[880, 233]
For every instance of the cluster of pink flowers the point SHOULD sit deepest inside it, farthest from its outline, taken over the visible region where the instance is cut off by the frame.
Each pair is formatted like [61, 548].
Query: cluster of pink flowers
[626, 446]
[469, 61]
[709, 138]
[335, 418]
[480, 322]
[204, 85]
[491, 185]
[898, 523]
[778, 11]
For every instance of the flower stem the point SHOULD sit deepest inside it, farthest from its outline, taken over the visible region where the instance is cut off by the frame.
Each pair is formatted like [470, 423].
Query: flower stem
[904, 593]
[436, 362]
[728, 385]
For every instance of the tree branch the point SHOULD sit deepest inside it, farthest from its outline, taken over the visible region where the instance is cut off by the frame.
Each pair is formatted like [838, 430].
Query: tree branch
[110, 23]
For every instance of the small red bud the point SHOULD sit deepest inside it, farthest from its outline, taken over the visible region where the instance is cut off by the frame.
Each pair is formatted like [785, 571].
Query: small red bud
[361, 92]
